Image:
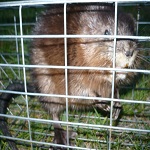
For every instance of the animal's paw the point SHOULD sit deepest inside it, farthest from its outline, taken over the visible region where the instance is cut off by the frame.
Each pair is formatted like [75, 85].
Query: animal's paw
[116, 110]
[60, 137]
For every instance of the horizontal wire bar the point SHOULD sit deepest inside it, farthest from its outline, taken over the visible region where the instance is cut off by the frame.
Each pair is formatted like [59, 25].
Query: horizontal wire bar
[75, 68]
[52, 144]
[74, 123]
[17, 24]
[41, 2]
[27, 24]
[142, 22]
[77, 36]
[76, 97]
[43, 143]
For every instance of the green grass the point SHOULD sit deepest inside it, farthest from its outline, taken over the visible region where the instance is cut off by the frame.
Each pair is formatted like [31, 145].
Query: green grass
[134, 115]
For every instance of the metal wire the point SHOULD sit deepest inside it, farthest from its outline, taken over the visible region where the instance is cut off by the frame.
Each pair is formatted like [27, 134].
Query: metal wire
[23, 67]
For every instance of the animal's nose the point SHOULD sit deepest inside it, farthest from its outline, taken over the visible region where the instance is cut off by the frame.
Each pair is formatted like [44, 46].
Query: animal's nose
[129, 53]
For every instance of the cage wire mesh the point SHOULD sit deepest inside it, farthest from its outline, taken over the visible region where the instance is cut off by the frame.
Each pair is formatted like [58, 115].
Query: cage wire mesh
[31, 126]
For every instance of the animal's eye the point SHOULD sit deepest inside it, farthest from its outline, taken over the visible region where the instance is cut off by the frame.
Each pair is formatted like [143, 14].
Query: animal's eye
[107, 32]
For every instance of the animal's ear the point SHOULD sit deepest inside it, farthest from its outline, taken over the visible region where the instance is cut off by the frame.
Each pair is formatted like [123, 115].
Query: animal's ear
[128, 21]
[134, 23]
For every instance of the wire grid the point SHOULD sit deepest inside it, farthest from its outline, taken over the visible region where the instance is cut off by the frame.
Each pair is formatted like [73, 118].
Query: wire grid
[31, 127]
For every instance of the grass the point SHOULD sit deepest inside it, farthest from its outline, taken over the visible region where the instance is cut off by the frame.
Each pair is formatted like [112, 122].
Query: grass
[134, 115]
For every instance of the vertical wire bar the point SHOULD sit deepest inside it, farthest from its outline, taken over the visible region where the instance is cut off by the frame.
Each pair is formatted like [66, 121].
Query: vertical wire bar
[137, 32]
[24, 72]
[66, 70]
[18, 57]
[113, 75]
[137, 22]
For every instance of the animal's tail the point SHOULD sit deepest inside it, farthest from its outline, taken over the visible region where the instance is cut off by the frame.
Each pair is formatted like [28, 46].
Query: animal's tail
[5, 99]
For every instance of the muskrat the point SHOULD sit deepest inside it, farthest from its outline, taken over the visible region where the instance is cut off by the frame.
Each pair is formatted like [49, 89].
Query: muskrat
[93, 19]
[81, 19]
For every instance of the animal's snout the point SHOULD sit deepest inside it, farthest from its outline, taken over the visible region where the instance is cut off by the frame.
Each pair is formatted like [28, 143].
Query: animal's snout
[129, 53]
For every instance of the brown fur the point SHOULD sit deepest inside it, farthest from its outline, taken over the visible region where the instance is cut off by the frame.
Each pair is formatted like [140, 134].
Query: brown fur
[90, 52]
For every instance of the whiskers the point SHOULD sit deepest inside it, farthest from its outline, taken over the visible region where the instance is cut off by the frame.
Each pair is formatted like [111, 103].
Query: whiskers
[143, 61]
[143, 58]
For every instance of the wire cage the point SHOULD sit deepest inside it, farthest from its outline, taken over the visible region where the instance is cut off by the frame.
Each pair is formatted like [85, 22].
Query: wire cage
[31, 127]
